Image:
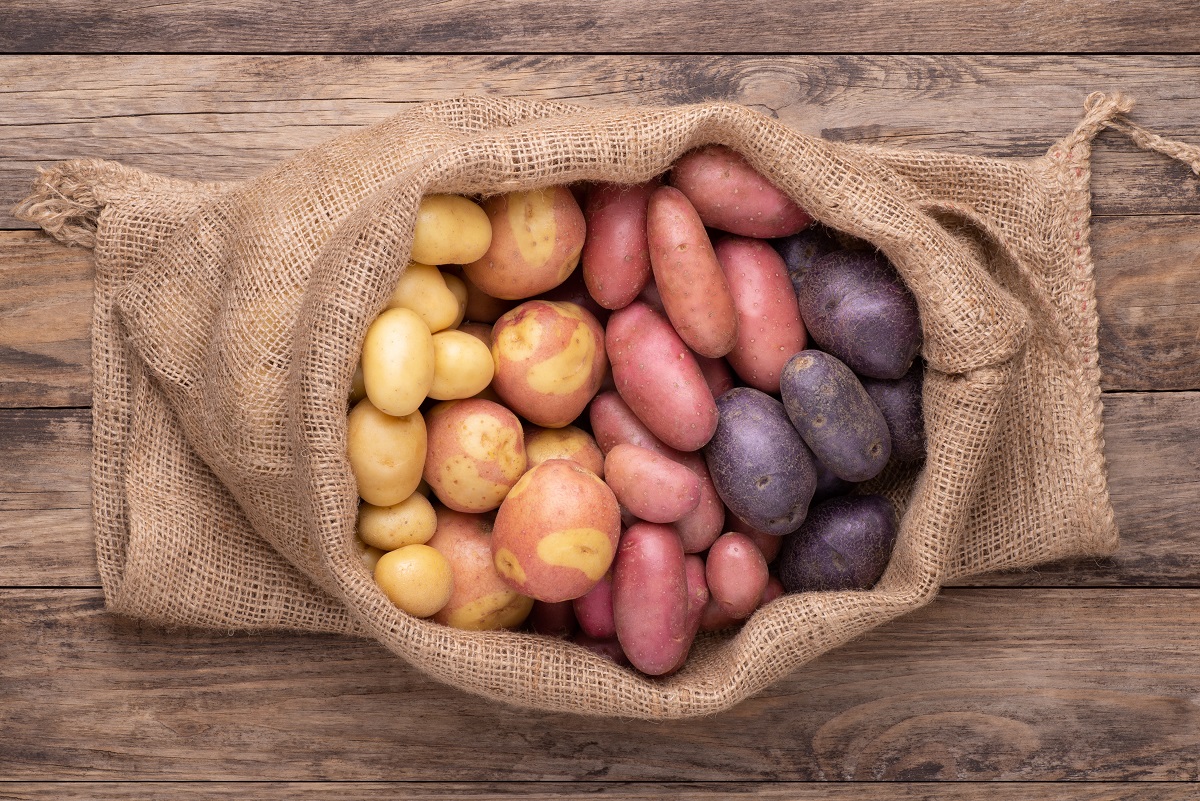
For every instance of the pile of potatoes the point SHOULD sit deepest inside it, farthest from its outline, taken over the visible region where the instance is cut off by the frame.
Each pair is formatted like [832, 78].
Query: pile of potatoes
[618, 453]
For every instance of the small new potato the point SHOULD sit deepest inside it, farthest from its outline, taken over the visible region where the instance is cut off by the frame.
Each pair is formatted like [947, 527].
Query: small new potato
[736, 573]
[556, 533]
[423, 290]
[462, 366]
[369, 554]
[386, 453]
[550, 361]
[398, 362]
[537, 237]
[571, 443]
[480, 600]
[476, 453]
[410, 522]
[416, 578]
[450, 230]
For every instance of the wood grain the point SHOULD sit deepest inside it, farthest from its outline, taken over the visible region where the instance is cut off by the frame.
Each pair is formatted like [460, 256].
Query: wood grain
[45, 322]
[1154, 481]
[371, 26]
[633, 791]
[230, 117]
[1030, 685]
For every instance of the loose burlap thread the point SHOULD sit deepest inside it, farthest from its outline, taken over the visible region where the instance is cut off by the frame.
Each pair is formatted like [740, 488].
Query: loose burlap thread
[229, 317]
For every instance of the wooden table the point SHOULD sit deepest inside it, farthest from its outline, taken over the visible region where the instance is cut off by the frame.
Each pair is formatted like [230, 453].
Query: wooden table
[1072, 673]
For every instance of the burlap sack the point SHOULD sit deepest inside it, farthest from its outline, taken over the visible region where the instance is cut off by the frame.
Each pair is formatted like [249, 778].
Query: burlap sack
[229, 317]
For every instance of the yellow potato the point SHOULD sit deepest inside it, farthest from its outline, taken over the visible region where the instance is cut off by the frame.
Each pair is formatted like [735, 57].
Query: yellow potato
[397, 361]
[423, 289]
[410, 522]
[450, 230]
[459, 288]
[570, 443]
[462, 366]
[367, 553]
[416, 578]
[387, 454]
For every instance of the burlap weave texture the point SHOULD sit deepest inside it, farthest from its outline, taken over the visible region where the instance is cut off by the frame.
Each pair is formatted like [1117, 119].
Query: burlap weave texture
[229, 318]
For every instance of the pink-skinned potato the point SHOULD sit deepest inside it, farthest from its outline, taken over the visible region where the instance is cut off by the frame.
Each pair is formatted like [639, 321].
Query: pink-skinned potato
[556, 533]
[736, 573]
[770, 331]
[476, 453]
[693, 288]
[650, 598]
[658, 377]
[594, 610]
[651, 486]
[698, 598]
[481, 600]
[537, 237]
[717, 375]
[616, 255]
[769, 544]
[550, 360]
[613, 423]
[732, 196]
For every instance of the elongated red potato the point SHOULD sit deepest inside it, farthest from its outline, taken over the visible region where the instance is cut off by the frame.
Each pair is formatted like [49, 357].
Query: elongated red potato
[770, 331]
[650, 598]
[651, 486]
[594, 610]
[613, 423]
[698, 597]
[694, 292]
[730, 195]
[659, 378]
[616, 255]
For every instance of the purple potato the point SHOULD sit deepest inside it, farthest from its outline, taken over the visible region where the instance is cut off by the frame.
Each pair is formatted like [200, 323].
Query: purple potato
[801, 251]
[760, 466]
[855, 306]
[835, 416]
[845, 544]
[828, 484]
[900, 402]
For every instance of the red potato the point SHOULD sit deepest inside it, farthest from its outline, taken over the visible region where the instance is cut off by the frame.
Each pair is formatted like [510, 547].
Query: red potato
[549, 361]
[774, 590]
[651, 486]
[613, 423]
[737, 574]
[691, 283]
[537, 237]
[594, 610]
[650, 598]
[716, 374]
[556, 533]
[616, 255]
[609, 648]
[769, 544]
[769, 328]
[730, 195]
[658, 377]
[553, 620]
[697, 590]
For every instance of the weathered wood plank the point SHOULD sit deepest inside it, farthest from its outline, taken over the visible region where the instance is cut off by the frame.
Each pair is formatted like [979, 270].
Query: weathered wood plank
[630, 791]
[1146, 271]
[45, 322]
[58, 26]
[1154, 480]
[229, 117]
[982, 684]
